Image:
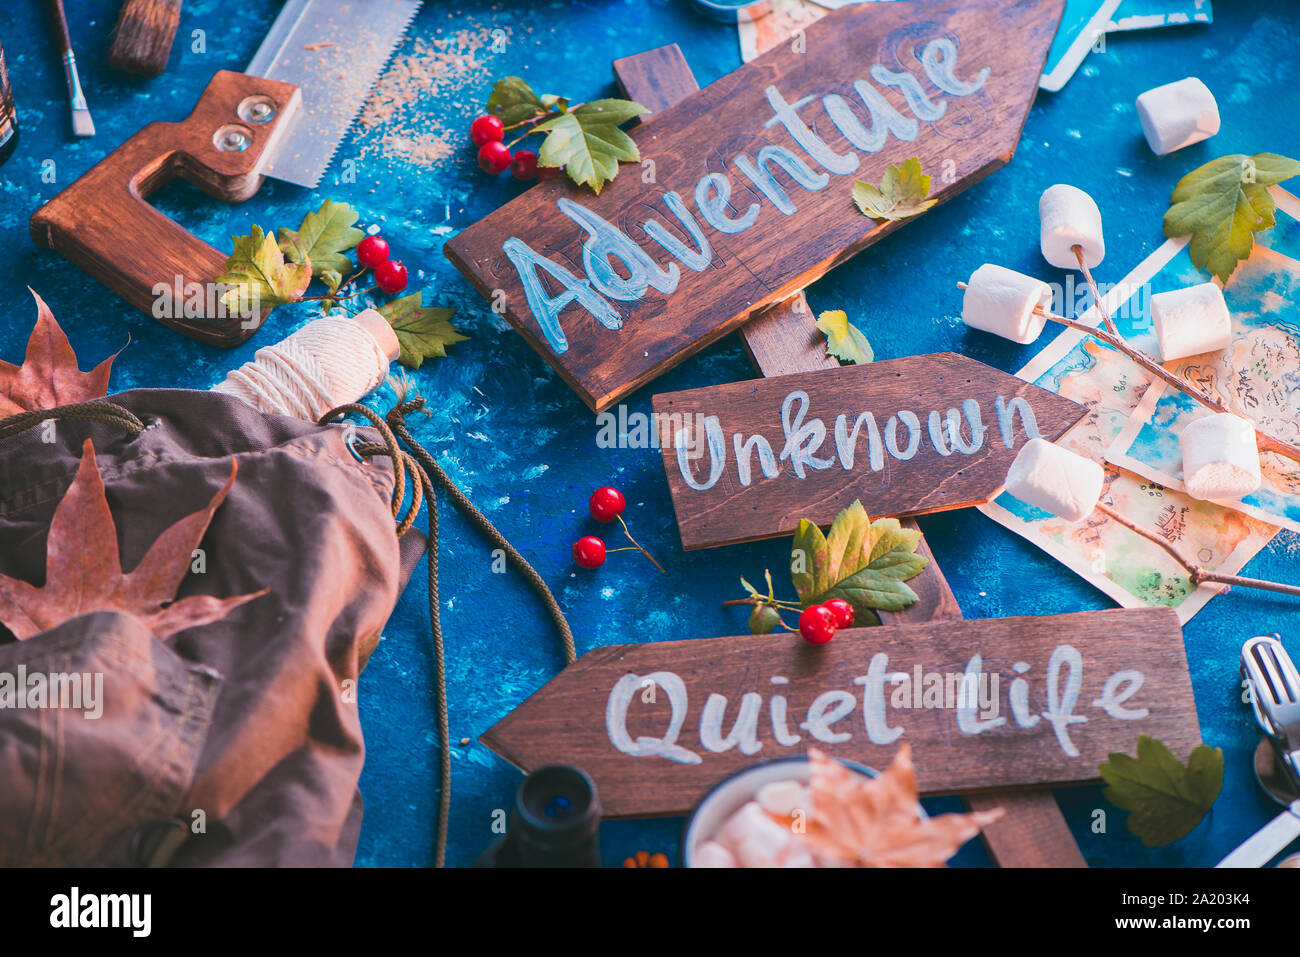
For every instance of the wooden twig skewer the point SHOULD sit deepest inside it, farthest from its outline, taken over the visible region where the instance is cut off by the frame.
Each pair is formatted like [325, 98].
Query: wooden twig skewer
[1096, 295]
[1196, 572]
[1265, 441]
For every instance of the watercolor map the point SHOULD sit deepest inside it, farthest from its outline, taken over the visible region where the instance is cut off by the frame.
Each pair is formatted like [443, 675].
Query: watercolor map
[1120, 563]
[1259, 377]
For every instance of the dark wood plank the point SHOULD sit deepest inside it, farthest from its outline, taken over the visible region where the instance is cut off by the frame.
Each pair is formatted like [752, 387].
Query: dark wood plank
[782, 250]
[1033, 833]
[657, 78]
[801, 461]
[594, 713]
[784, 340]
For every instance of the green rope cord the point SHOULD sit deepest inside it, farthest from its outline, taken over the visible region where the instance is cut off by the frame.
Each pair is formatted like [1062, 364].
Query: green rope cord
[425, 471]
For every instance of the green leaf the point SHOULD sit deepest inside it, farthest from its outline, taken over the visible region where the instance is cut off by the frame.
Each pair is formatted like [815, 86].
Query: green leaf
[844, 340]
[1164, 798]
[322, 239]
[866, 563]
[1223, 204]
[748, 587]
[259, 275]
[513, 101]
[902, 192]
[422, 331]
[332, 279]
[588, 143]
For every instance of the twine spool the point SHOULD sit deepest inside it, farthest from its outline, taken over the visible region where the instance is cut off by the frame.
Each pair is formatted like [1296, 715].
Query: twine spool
[329, 362]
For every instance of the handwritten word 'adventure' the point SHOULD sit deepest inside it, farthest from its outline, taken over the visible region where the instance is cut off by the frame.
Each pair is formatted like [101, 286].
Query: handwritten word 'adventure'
[713, 194]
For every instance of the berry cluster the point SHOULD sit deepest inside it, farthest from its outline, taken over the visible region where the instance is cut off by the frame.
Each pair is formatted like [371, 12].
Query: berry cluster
[494, 157]
[606, 505]
[818, 623]
[390, 274]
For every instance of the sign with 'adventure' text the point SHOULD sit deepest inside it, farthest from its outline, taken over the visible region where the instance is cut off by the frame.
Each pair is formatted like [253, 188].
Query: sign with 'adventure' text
[748, 460]
[991, 704]
[743, 195]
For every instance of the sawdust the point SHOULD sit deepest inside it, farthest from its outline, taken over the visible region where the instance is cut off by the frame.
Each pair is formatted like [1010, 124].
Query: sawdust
[405, 115]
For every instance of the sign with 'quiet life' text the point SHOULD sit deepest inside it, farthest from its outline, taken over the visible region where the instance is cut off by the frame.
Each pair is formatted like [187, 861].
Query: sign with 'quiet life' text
[985, 704]
[744, 192]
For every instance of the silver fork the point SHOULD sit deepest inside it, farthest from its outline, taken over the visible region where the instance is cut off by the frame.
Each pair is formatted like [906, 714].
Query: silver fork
[1275, 697]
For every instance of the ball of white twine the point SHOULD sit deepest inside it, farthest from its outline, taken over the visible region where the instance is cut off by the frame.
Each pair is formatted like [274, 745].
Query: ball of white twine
[329, 362]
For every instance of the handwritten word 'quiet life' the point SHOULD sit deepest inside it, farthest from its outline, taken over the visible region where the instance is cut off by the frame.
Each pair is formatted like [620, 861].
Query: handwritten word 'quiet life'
[946, 432]
[1064, 681]
[712, 195]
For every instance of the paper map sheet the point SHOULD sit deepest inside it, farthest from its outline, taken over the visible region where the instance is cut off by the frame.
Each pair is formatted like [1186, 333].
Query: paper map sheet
[1258, 377]
[1127, 567]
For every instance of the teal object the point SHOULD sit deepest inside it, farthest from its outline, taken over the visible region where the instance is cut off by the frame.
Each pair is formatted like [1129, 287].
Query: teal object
[524, 448]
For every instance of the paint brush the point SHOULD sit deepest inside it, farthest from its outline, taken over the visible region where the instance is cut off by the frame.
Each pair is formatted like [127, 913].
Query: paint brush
[143, 36]
[82, 124]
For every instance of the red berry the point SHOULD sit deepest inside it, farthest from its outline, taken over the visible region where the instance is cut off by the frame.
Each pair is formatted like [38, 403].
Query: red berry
[486, 129]
[589, 552]
[524, 165]
[493, 157]
[842, 611]
[391, 276]
[817, 624]
[606, 504]
[372, 251]
[549, 172]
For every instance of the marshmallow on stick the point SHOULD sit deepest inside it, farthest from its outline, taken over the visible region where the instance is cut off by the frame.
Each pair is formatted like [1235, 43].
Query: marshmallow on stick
[1177, 115]
[1220, 457]
[1068, 217]
[1002, 301]
[1191, 321]
[1056, 480]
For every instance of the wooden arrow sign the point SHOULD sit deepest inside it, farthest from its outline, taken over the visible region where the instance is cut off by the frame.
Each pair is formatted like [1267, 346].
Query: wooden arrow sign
[748, 460]
[997, 703]
[744, 193]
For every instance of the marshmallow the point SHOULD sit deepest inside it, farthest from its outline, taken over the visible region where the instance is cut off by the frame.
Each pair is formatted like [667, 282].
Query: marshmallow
[712, 854]
[757, 840]
[783, 797]
[1191, 321]
[1056, 480]
[1220, 457]
[1177, 115]
[1002, 301]
[1070, 218]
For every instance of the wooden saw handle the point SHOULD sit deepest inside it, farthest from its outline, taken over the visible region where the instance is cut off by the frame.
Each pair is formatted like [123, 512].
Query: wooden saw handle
[104, 224]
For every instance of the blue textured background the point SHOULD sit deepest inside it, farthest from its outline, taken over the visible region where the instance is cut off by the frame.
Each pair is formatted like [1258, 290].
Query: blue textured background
[523, 446]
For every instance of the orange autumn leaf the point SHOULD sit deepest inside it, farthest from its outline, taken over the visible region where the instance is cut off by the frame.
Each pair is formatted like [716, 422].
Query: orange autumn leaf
[877, 822]
[83, 571]
[49, 376]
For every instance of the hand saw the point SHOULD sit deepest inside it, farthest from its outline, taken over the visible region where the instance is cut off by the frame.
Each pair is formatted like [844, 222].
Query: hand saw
[282, 118]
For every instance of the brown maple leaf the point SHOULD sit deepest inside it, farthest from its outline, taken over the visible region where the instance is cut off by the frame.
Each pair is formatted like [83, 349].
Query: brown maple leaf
[876, 822]
[83, 571]
[49, 376]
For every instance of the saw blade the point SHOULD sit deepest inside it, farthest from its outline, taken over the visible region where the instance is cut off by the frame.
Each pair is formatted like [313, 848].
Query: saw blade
[334, 51]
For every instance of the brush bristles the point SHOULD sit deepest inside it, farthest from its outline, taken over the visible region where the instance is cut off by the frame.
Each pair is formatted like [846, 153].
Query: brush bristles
[143, 36]
[82, 124]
